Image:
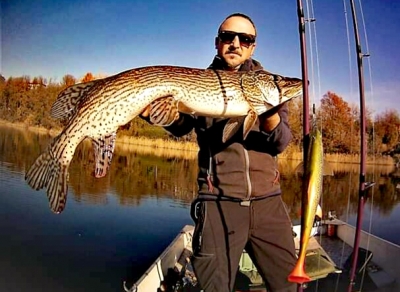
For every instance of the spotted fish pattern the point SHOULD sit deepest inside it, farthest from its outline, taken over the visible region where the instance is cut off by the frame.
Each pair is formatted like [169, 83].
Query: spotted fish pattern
[96, 109]
[313, 180]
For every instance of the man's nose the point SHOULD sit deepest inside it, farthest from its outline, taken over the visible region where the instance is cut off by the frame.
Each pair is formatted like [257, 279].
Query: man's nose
[235, 42]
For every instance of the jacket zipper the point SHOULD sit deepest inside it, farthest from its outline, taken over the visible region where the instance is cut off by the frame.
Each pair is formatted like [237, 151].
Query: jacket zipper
[247, 173]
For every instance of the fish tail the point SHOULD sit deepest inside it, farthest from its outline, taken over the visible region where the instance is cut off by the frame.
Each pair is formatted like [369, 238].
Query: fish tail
[298, 274]
[47, 172]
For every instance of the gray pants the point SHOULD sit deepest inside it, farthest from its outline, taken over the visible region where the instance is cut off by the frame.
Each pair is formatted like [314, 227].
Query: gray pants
[224, 228]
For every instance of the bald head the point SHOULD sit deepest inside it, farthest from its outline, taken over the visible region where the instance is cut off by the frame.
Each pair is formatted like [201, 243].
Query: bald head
[235, 42]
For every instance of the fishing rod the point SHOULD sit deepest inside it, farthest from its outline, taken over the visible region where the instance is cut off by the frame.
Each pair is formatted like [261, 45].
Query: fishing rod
[363, 185]
[306, 108]
[304, 71]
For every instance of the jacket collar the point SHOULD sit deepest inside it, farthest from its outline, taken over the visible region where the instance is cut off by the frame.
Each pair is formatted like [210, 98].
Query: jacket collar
[249, 65]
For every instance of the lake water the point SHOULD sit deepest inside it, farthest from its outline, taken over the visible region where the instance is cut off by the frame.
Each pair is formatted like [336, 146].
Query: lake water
[113, 228]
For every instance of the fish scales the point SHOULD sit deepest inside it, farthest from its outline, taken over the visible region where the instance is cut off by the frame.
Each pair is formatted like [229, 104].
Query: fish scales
[167, 86]
[97, 109]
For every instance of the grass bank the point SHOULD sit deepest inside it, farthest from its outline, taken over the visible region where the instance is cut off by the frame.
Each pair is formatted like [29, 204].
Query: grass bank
[172, 148]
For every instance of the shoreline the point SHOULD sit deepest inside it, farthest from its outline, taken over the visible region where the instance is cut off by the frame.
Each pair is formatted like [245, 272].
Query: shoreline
[182, 149]
[122, 139]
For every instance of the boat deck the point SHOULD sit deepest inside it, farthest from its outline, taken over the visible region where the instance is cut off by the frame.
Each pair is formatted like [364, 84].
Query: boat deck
[369, 276]
[327, 263]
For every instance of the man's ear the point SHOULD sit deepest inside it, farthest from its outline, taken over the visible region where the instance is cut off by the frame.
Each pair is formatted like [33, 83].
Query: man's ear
[216, 42]
[253, 48]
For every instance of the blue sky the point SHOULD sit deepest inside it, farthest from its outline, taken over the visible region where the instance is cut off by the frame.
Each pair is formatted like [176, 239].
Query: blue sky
[53, 38]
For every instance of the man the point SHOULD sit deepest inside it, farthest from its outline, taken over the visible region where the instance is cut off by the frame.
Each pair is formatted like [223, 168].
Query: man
[239, 203]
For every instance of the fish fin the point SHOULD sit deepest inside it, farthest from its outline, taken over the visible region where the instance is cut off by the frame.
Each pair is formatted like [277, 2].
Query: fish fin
[249, 122]
[231, 127]
[164, 111]
[234, 124]
[47, 172]
[69, 99]
[103, 153]
[327, 169]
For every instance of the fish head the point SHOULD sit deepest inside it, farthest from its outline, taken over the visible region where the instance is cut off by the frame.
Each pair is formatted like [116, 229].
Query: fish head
[277, 89]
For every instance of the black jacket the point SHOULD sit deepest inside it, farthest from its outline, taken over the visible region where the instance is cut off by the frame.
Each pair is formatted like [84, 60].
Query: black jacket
[239, 169]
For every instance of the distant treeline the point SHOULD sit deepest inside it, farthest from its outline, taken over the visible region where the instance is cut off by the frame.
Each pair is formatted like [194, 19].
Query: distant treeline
[27, 100]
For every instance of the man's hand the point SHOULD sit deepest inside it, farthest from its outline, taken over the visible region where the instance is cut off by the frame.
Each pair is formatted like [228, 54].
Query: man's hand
[271, 119]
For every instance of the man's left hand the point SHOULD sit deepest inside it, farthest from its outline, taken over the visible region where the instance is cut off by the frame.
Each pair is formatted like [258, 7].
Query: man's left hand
[270, 119]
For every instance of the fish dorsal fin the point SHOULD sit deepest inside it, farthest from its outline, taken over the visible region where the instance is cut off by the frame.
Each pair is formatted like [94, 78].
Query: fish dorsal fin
[68, 100]
[164, 111]
[103, 152]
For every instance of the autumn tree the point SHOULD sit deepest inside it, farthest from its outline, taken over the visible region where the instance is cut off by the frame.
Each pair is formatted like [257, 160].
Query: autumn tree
[387, 128]
[337, 124]
[296, 121]
[38, 81]
[88, 77]
[14, 97]
[68, 80]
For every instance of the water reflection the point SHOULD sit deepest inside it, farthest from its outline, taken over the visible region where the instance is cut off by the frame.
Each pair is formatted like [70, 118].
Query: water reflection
[88, 247]
[139, 172]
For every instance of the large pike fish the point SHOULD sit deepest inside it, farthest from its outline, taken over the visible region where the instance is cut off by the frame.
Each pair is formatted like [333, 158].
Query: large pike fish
[313, 177]
[96, 109]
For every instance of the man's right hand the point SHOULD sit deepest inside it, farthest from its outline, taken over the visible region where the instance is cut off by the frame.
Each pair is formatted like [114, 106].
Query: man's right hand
[161, 112]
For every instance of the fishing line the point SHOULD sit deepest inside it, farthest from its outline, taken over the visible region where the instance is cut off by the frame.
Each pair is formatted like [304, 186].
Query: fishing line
[317, 81]
[312, 36]
[310, 20]
[313, 27]
[363, 185]
[373, 162]
[351, 130]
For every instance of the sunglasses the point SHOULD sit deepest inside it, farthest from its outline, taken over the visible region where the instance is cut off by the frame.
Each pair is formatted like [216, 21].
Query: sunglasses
[245, 39]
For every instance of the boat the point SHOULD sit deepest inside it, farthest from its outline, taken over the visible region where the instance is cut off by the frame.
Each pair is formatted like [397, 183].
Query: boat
[328, 263]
